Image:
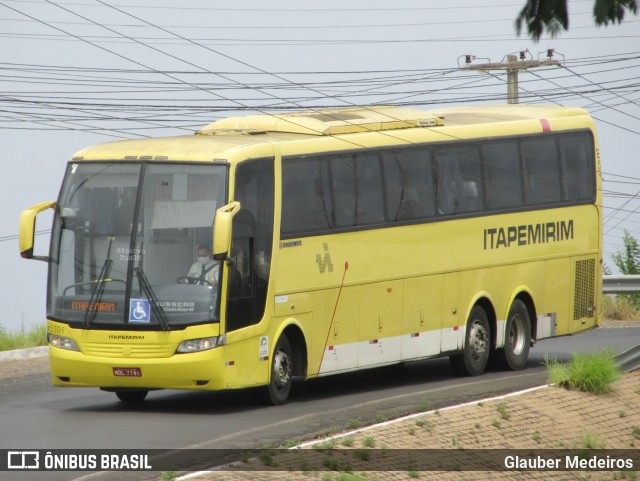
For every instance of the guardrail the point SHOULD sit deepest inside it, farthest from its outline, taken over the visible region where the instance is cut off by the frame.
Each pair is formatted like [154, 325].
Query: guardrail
[620, 284]
[629, 360]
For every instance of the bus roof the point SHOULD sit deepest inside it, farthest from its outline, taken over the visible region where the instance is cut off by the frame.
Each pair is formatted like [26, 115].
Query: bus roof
[220, 139]
[471, 115]
[328, 122]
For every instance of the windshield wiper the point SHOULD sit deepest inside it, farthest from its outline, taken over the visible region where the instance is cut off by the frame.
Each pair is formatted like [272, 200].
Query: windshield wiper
[156, 308]
[96, 293]
[98, 288]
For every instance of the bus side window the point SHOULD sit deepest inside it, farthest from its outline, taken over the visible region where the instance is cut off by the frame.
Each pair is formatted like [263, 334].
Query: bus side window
[470, 171]
[343, 177]
[447, 188]
[541, 171]
[369, 189]
[459, 180]
[306, 196]
[409, 187]
[576, 151]
[503, 176]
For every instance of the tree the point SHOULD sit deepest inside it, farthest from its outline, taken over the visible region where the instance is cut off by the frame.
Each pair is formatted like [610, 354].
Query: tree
[628, 261]
[553, 16]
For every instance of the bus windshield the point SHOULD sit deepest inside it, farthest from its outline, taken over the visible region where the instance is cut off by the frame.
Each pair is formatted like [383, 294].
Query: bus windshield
[131, 245]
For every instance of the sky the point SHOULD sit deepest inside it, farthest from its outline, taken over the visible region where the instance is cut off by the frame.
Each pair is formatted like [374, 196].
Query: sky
[75, 73]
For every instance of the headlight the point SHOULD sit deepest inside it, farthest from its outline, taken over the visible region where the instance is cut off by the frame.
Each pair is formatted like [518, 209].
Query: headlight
[62, 342]
[203, 344]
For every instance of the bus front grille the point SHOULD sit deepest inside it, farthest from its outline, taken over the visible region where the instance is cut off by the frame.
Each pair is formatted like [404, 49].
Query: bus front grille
[136, 351]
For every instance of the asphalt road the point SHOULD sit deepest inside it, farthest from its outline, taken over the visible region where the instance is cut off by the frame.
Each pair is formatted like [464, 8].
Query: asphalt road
[35, 415]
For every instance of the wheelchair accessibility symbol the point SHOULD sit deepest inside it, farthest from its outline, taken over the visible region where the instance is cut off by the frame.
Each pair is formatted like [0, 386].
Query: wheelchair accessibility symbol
[139, 310]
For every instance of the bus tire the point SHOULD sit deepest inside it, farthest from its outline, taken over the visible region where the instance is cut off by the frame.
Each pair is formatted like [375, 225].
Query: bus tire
[517, 340]
[473, 359]
[281, 377]
[132, 397]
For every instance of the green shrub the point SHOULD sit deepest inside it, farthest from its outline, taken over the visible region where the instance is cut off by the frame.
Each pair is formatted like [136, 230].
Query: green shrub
[593, 373]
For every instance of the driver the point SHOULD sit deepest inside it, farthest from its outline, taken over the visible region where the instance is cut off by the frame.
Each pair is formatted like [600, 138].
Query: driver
[204, 271]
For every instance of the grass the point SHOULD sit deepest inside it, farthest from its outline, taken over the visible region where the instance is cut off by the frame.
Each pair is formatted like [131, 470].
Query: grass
[330, 444]
[362, 454]
[266, 458]
[350, 477]
[355, 423]
[36, 336]
[594, 373]
[381, 418]
[369, 442]
[619, 308]
[591, 441]
[504, 412]
[536, 437]
[347, 442]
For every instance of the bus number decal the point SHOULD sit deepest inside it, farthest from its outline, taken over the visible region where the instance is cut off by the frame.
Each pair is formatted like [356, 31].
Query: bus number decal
[324, 263]
[53, 329]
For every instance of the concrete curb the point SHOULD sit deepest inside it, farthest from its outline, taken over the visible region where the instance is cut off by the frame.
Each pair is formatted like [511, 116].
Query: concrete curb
[309, 444]
[20, 354]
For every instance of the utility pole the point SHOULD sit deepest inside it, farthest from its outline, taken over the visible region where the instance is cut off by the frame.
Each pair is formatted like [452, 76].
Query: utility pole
[513, 64]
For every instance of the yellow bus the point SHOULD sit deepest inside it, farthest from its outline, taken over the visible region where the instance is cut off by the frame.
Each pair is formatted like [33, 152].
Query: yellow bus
[332, 241]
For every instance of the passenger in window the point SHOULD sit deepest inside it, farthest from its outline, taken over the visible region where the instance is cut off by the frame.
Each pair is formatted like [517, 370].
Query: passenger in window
[470, 198]
[203, 272]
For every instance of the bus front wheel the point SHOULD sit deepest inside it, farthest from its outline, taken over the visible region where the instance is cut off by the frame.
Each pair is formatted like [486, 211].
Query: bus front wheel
[472, 361]
[281, 378]
[132, 397]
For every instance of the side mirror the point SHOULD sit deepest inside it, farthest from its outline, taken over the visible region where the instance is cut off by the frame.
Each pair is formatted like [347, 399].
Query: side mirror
[27, 229]
[222, 230]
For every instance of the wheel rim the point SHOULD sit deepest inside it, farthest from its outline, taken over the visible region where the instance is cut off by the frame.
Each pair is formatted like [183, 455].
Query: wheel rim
[517, 335]
[281, 369]
[478, 340]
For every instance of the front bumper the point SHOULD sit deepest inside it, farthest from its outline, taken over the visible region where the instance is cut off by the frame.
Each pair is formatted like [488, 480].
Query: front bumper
[199, 370]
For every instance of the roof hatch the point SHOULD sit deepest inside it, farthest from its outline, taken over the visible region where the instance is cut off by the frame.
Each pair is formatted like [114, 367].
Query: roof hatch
[327, 122]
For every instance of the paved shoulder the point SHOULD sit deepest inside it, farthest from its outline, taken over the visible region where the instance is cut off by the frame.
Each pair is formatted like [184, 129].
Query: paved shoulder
[23, 362]
[18, 354]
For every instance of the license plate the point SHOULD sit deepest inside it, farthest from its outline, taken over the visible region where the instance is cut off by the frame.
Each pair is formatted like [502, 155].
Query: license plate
[127, 371]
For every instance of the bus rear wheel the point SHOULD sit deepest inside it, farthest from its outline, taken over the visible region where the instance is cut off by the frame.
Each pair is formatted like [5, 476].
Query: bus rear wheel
[517, 340]
[281, 378]
[132, 397]
[473, 359]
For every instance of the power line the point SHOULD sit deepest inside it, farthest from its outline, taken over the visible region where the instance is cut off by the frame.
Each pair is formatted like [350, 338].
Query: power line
[292, 10]
[310, 42]
[583, 61]
[244, 63]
